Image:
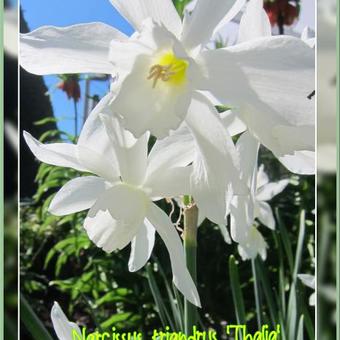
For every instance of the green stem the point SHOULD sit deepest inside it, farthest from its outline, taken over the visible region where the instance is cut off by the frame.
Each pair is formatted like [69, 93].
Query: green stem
[257, 294]
[190, 247]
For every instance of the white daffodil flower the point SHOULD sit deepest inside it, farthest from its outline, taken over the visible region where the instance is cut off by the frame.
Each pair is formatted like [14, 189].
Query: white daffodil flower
[301, 160]
[62, 326]
[120, 195]
[164, 63]
[244, 209]
[309, 281]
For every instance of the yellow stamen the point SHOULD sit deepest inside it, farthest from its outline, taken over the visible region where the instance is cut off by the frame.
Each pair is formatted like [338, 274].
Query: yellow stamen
[169, 69]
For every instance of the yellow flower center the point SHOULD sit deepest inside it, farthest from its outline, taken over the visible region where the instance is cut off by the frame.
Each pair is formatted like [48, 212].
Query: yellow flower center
[169, 69]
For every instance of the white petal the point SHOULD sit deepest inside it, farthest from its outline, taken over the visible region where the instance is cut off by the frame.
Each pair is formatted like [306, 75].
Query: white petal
[77, 195]
[199, 26]
[248, 148]
[312, 299]
[241, 217]
[60, 154]
[170, 182]
[254, 22]
[97, 163]
[73, 156]
[216, 162]
[176, 150]
[301, 162]
[308, 280]
[161, 11]
[82, 48]
[93, 132]
[262, 177]
[305, 36]
[131, 153]
[232, 123]
[268, 81]
[265, 215]
[141, 246]
[93, 136]
[231, 14]
[253, 245]
[225, 233]
[294, 138]
[269, 190]
[62, 326]
[114, 220]
[181, 275]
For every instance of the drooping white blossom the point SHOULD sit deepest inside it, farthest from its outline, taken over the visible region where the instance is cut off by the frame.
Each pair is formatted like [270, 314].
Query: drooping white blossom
[244, 209]
[119, 195]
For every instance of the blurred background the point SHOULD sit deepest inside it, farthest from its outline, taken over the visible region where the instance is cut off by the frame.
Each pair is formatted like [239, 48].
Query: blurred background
[58, 262]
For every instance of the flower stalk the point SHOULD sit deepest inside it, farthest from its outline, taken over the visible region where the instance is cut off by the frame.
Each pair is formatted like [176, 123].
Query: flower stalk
[190, 248]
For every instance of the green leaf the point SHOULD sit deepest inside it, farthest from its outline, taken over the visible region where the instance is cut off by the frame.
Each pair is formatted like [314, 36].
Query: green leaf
[162, 310]
[236, 291]
[292, 311]
[299, 335]
[267, 290]
[123, 320]
[45, 121]
[285, 240]
[32, 323]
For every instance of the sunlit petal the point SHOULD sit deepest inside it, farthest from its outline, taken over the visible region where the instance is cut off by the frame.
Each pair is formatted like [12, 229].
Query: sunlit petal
[253, 245]
[211, 14]
[267, 80]
[268, 191]
[62, 326]
[181, 275]
[114, 220]
[77, 195]
[170, 182]
[265, 214]
[254, 22]
[141, 246]
[212, 186]
[82, 48]
[131, 153]
[161, 11]
[302, 162]
[60, 154]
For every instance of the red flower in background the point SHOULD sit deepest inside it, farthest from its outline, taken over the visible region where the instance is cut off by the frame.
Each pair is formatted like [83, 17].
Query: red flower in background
[70, 85]
[282, 12]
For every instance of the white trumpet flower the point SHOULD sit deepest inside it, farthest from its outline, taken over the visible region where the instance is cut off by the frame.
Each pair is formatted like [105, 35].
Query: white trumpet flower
[62, 326]
[120, 195]
[244, 209]
[164, 64]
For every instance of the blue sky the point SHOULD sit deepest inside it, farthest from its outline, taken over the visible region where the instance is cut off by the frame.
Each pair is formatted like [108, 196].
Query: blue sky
[63, 13]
